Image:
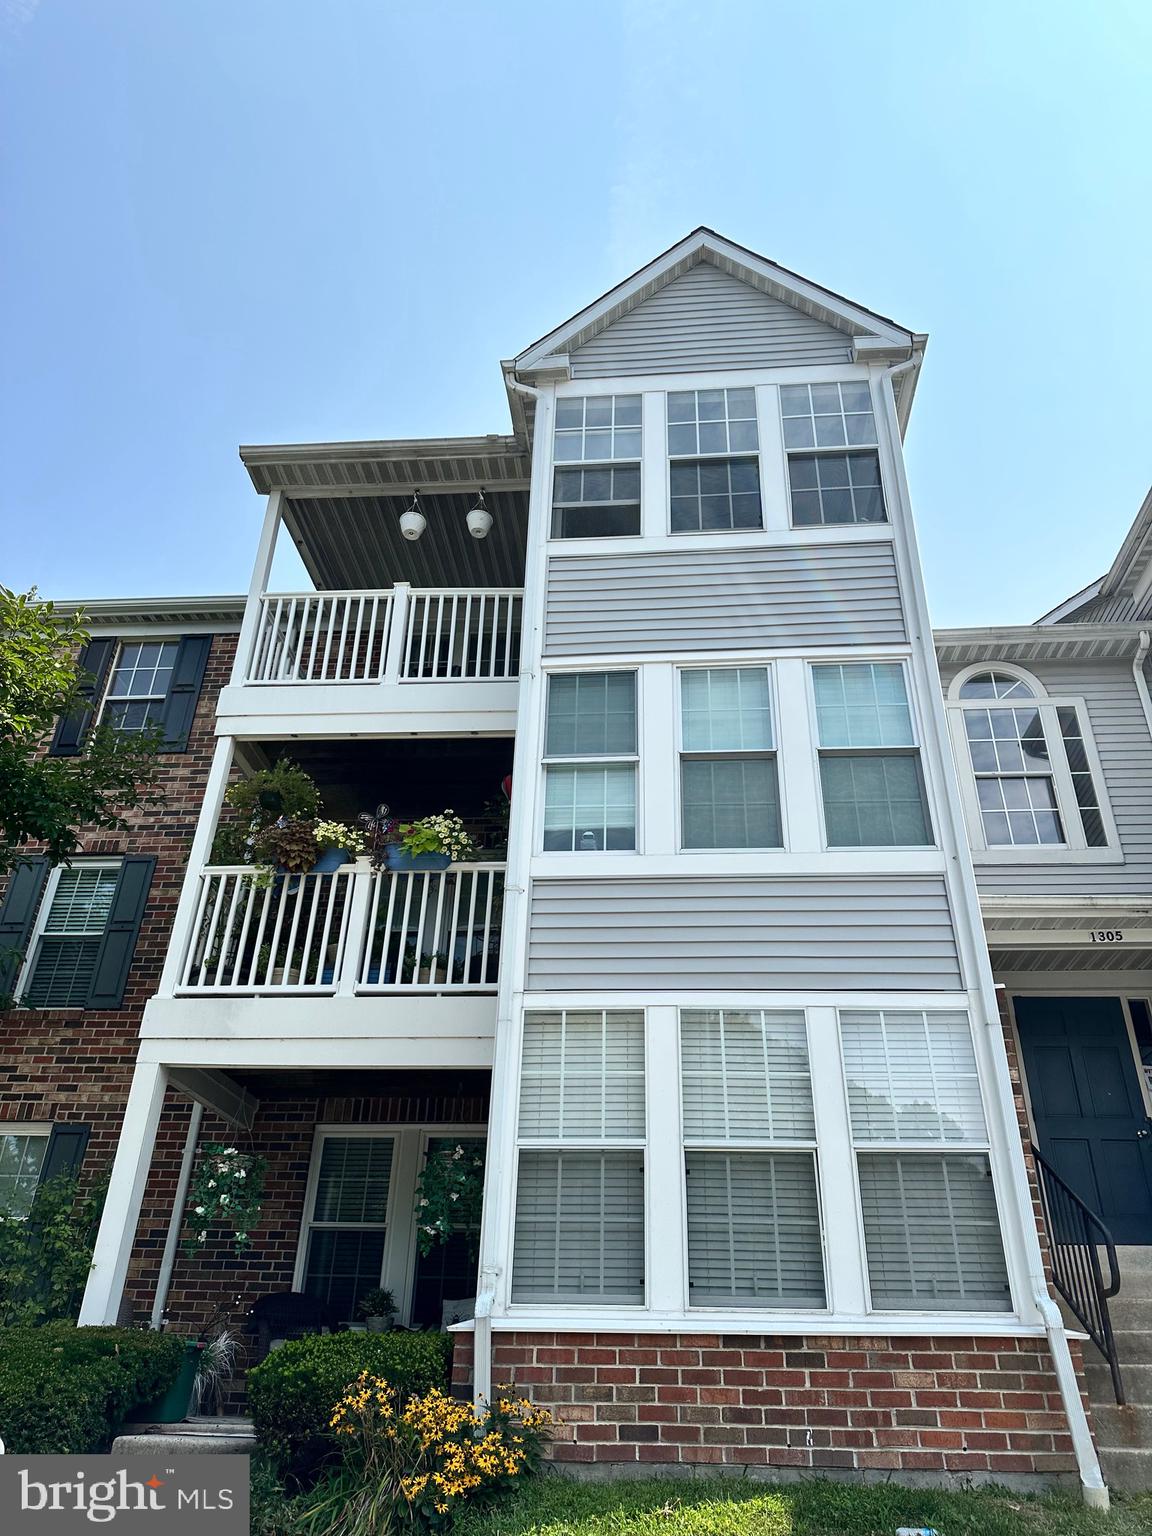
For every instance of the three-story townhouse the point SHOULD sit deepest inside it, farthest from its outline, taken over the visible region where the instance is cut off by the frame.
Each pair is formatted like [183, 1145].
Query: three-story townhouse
[722, 1011]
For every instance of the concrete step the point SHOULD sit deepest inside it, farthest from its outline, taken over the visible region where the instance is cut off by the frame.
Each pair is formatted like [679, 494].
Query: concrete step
[1133, 1260]
[1129, 1313]
[1128, 1427]
[1137, 1382]
[1127, 1471]
[191, 1437]
[1133, 1345]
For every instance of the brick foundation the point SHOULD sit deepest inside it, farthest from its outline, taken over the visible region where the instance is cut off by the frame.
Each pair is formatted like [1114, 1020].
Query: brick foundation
[984, 1409]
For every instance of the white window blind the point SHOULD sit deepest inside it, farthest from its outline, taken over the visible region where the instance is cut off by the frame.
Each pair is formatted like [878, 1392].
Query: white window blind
[753, 1229]
[590, 806]
[579, 1227]
[348, 1222]
[353, 1180]
[932, 1232]
[912, 1077]
[582, 1075]
[745, 1075]
[69, 944]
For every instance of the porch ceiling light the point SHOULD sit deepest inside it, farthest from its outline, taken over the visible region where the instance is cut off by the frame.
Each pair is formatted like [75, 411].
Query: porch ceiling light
[413, 522]
[479, 519]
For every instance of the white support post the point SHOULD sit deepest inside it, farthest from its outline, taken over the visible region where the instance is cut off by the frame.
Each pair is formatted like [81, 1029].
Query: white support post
[355, 929]
[397, 629]
[250, 626]
[198, 854]
[125, 1195]
[176, 1220]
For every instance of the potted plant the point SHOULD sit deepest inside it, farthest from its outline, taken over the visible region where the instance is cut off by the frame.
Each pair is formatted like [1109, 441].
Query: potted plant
[433, 842]
[417, 965]
[227, 1190]
[449, 1197]
[282, 793]
[302, 847]
[378, 1309]
[337, 843]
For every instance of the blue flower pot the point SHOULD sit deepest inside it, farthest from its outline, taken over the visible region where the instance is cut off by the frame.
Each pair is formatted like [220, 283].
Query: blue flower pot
[330, 859]
[396, 857]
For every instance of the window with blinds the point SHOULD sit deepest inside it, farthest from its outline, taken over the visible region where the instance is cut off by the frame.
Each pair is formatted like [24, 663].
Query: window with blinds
[754, 1233]
[580, 1188]
[931, 1225]
[348, 1220]
[70, 933]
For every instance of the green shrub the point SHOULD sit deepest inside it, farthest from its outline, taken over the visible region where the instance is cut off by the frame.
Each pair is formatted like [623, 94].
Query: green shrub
[292, 1394]
[65, 1389]
[46, 1256]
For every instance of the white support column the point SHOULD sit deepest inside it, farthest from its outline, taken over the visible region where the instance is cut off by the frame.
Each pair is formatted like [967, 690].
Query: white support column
[659, 758]
[125, 1194]
[257, 587]
[397, 631]
[197, 858]
[664, 1183]
[773, 461]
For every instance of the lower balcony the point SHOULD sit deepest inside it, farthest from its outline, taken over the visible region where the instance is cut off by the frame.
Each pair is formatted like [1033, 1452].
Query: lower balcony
[346, 932]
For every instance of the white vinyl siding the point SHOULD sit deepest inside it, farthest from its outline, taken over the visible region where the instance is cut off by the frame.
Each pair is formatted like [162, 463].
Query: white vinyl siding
[579, 1232]
[931, 1226]
[21, 1159]
[729, 793]
[590, 806]
[69, 932]
[754, 1237]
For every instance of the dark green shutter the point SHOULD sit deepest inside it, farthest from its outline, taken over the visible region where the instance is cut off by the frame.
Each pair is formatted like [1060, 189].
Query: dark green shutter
[66, 1148]
[184, 691]
[95, 659]
[110, 974]
[17, 914]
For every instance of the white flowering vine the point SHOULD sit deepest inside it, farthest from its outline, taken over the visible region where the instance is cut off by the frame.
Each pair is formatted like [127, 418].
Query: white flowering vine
[227, 1191]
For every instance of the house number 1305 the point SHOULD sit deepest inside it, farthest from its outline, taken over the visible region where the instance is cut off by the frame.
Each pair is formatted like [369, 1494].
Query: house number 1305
[1106, 935]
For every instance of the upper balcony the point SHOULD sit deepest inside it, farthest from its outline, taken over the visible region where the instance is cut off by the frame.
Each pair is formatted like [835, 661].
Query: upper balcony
[354, 627]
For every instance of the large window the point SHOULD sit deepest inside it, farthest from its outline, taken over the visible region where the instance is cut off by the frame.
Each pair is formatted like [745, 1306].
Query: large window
[22, 1152]
[138, 687]
[1033, 780]
[729, 795]
[601, 499]
[750, 1160]
[69, 931]
[931, 1227]
[590, 762]
[579, 1234]
[870, 771]
[833, 465]
[713, 448]
[348, 1219]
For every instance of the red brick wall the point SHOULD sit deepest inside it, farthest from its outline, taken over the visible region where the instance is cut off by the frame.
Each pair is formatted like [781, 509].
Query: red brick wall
[972, 1407]
[73, 1065]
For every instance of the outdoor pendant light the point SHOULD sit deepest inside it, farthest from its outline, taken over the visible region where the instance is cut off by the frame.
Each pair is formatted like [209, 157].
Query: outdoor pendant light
[413, 522]
[479, 519]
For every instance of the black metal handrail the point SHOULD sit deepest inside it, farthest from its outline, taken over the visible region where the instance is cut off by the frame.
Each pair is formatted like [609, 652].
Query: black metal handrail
[1076, 1235]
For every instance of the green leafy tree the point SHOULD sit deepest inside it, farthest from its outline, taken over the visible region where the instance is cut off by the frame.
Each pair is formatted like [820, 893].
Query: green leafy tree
[48, 801]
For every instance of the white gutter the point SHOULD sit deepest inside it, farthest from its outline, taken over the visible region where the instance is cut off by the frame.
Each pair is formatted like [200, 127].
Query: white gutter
[1092, 1486]
[168, 1262]
[1142, 648]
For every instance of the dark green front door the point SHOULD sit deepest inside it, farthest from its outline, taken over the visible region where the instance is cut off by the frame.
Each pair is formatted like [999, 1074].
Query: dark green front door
[1087, 1106]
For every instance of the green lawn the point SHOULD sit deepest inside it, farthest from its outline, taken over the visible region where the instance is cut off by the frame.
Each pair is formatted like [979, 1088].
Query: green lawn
[553, 1506]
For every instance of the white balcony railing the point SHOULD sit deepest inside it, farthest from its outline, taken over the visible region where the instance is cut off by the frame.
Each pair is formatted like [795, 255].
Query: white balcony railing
[399, 635]
[352, 930]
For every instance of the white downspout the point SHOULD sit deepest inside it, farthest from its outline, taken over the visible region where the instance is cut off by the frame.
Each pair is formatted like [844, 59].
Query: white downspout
[1142, 648]
[1092, 1486]
[168, 1262]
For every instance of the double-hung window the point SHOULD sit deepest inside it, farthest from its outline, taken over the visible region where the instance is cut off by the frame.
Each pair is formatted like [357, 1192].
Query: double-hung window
[69, 931]
[590, 762]
[931, 1227]
[579, 1232]
[833, 465]
[870, 772]
[1036, 784]
[754, 1236]
[348, 1219]
[729, 793]
[596, 484]
[22, 1153]
[139, 685]
[714, 453]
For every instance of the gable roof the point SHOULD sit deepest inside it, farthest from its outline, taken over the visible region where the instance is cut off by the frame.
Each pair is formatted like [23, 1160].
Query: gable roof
[1125, 589]
[758, 272]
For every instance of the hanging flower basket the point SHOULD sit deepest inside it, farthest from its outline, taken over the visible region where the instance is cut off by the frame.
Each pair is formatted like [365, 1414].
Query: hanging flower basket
[449, 1197]
[227, 1190]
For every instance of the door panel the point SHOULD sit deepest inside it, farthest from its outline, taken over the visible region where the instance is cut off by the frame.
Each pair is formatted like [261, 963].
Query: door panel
[1087, 1106]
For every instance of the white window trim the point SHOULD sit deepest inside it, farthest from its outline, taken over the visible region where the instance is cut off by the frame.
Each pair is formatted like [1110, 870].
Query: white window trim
[409, 1152]
[634, 760]
[786, 452]
[775, 753]
[1074, 849]
[32, 952]
[915, 748]
[767, 522]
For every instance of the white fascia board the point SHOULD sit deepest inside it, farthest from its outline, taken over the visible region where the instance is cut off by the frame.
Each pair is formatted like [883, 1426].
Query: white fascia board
[181, 615]
[960, 646]
[818, 301]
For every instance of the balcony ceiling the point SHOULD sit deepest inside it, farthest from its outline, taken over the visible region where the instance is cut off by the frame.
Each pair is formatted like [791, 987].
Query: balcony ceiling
[355, 541]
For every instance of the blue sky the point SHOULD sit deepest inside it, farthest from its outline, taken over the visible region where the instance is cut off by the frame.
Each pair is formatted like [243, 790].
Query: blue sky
[232, 221]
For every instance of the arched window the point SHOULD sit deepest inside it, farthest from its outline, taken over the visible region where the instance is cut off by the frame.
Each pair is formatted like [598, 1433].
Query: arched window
[996, 685]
